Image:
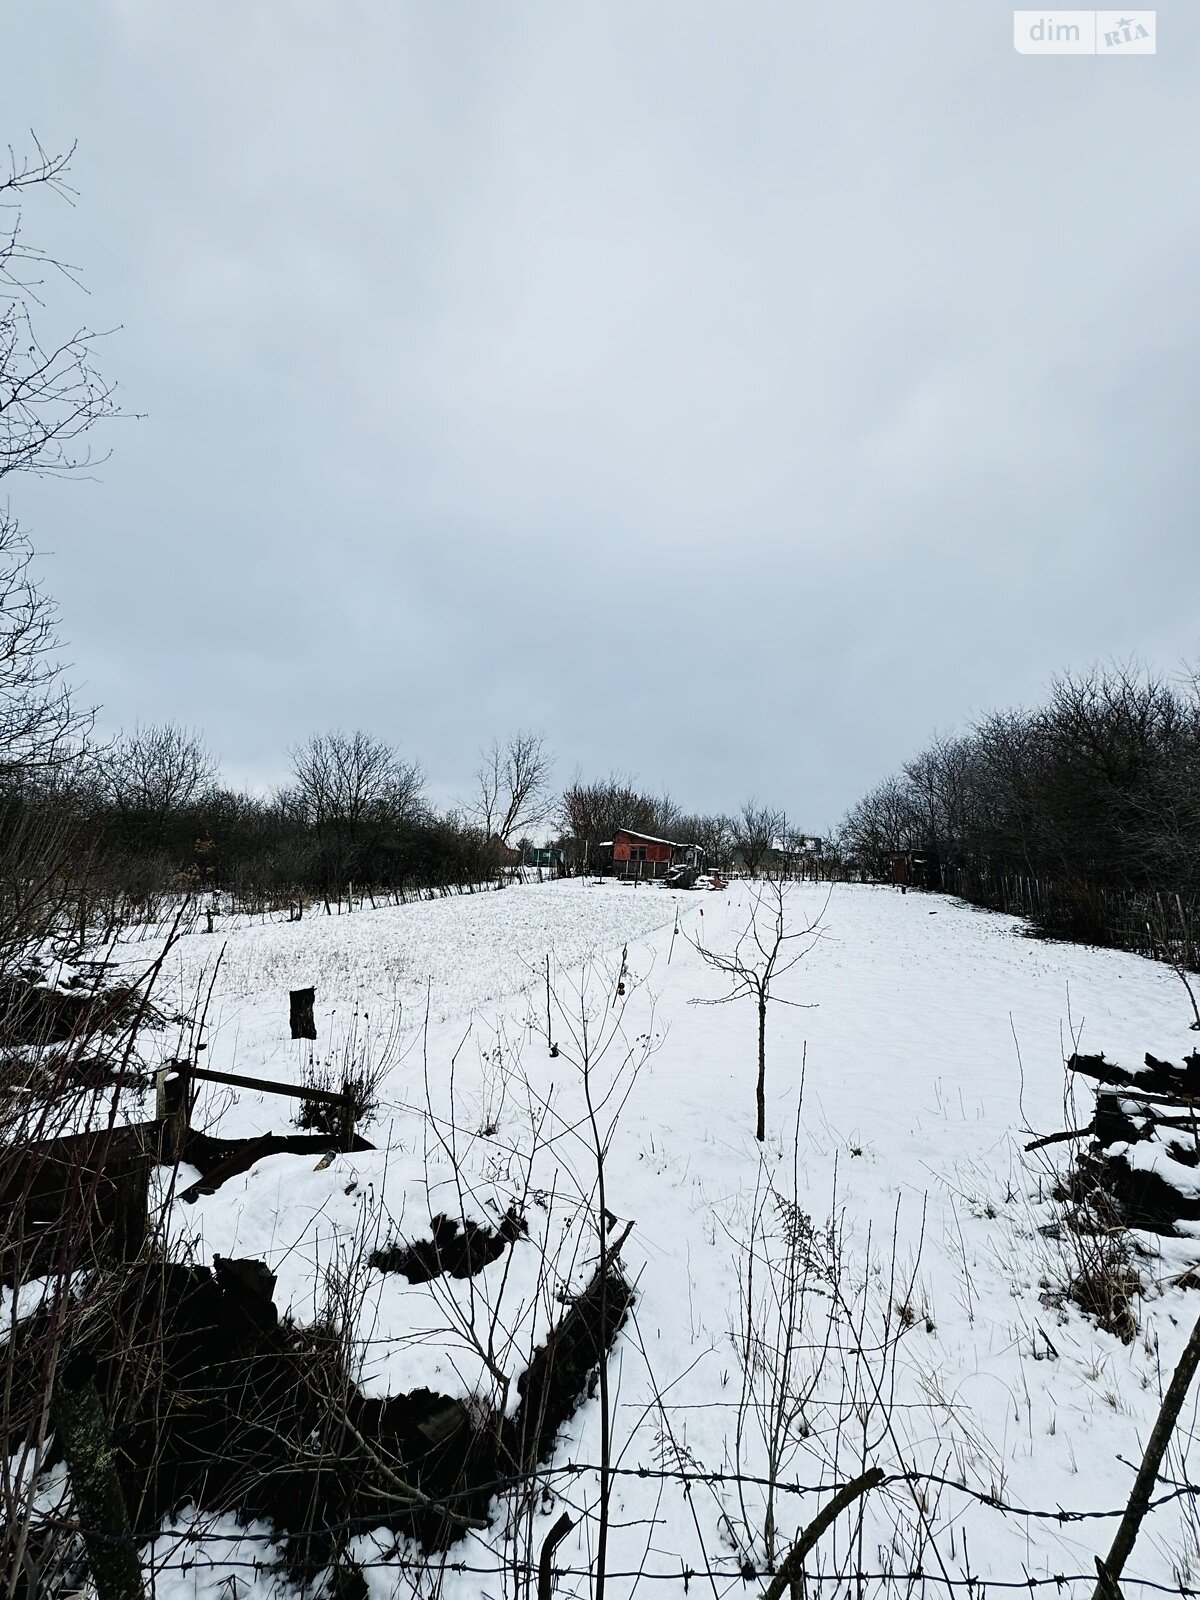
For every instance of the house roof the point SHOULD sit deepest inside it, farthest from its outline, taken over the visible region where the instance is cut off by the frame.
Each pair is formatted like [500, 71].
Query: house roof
[646, 838]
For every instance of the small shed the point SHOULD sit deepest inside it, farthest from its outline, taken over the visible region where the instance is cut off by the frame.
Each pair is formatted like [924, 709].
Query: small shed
[641, 855]
[916, 869]
[546, 858]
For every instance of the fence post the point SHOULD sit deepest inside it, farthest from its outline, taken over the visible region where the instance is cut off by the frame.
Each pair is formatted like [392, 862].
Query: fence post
[173, 1107]
[550, 1544]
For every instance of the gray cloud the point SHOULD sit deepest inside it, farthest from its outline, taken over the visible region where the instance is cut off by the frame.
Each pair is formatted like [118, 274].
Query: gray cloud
[736, 392]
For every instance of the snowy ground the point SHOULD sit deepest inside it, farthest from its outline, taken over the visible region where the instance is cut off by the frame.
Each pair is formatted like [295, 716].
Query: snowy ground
[927, 1036]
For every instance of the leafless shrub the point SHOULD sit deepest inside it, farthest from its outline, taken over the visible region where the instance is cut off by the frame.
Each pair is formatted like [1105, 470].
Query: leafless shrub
[357, 1066]
[1098, 1271]
[784, 1335]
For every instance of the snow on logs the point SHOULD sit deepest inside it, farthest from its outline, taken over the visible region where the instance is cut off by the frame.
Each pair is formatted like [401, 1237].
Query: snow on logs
[1145, 1140]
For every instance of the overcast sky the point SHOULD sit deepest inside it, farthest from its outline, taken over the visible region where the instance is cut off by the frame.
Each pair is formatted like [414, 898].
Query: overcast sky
[737, 392]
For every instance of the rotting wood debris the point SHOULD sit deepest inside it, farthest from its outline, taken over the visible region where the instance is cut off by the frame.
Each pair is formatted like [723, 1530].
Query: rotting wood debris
[213, 1399]
[456, 1250]
[1143, 1153]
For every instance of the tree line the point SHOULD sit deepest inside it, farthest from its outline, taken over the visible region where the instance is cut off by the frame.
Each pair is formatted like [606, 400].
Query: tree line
[146, 816]
[84, 822]
[1084, 810]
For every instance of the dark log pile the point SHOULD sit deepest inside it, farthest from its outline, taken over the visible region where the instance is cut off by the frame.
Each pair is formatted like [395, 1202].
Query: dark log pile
[1156, 1077]
[1144, 1149]
[84, 1194]
[213, 1399]
[39, 1014]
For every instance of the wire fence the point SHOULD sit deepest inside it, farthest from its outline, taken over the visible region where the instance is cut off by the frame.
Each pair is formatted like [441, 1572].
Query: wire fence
[214, 1548]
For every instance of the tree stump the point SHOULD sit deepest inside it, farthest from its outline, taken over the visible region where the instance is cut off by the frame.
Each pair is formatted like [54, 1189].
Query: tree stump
[82, 1432]
[303, 1024]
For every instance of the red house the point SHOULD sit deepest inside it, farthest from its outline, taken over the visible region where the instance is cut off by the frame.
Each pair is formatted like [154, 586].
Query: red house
[641, 855]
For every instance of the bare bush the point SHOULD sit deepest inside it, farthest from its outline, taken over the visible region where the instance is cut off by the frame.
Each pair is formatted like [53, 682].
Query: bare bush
[355, 1066]
[1096, 1268]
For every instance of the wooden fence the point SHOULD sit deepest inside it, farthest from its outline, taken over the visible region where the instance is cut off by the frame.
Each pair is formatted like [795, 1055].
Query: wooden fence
[83, 1197]
[1163, 927]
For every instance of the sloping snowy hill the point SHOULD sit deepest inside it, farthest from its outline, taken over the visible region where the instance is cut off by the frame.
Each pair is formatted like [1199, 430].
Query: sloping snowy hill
[932, 1338]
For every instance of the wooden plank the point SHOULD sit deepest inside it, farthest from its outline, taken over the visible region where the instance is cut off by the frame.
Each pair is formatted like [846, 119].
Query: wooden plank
[266, 1086]
[1121, 1091]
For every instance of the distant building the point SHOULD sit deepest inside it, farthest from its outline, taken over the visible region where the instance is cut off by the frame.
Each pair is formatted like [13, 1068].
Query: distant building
[641, 855]
[916, 869]
[792, 858]
[548, 857]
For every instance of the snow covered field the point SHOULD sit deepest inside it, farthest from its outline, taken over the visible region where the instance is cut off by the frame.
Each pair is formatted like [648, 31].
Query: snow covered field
[906, 1054]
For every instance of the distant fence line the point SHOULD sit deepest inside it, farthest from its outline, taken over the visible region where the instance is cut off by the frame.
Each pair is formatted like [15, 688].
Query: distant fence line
[200, 908]
[1162, 926]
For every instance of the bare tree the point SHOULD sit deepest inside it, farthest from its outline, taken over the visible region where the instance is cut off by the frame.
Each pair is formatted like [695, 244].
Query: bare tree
[755, 830]
[713, 834]
[591, 813]
[50, 395]
[153, 773]
[766, 950]
[345, 780]
[50, 391]
[40, 730]
[512, 786]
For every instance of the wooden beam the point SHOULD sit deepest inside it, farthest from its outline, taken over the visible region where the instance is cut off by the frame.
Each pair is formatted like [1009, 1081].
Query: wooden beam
[266, 1086]
[1120, 1092]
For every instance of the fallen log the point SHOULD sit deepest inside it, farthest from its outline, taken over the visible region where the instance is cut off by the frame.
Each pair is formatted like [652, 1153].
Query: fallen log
[559, 1373]
[1158, 1077]
[218, 1160]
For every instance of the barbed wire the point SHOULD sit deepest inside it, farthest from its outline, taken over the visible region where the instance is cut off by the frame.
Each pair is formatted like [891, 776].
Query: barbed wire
[448, 1500]
[684, 1573]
